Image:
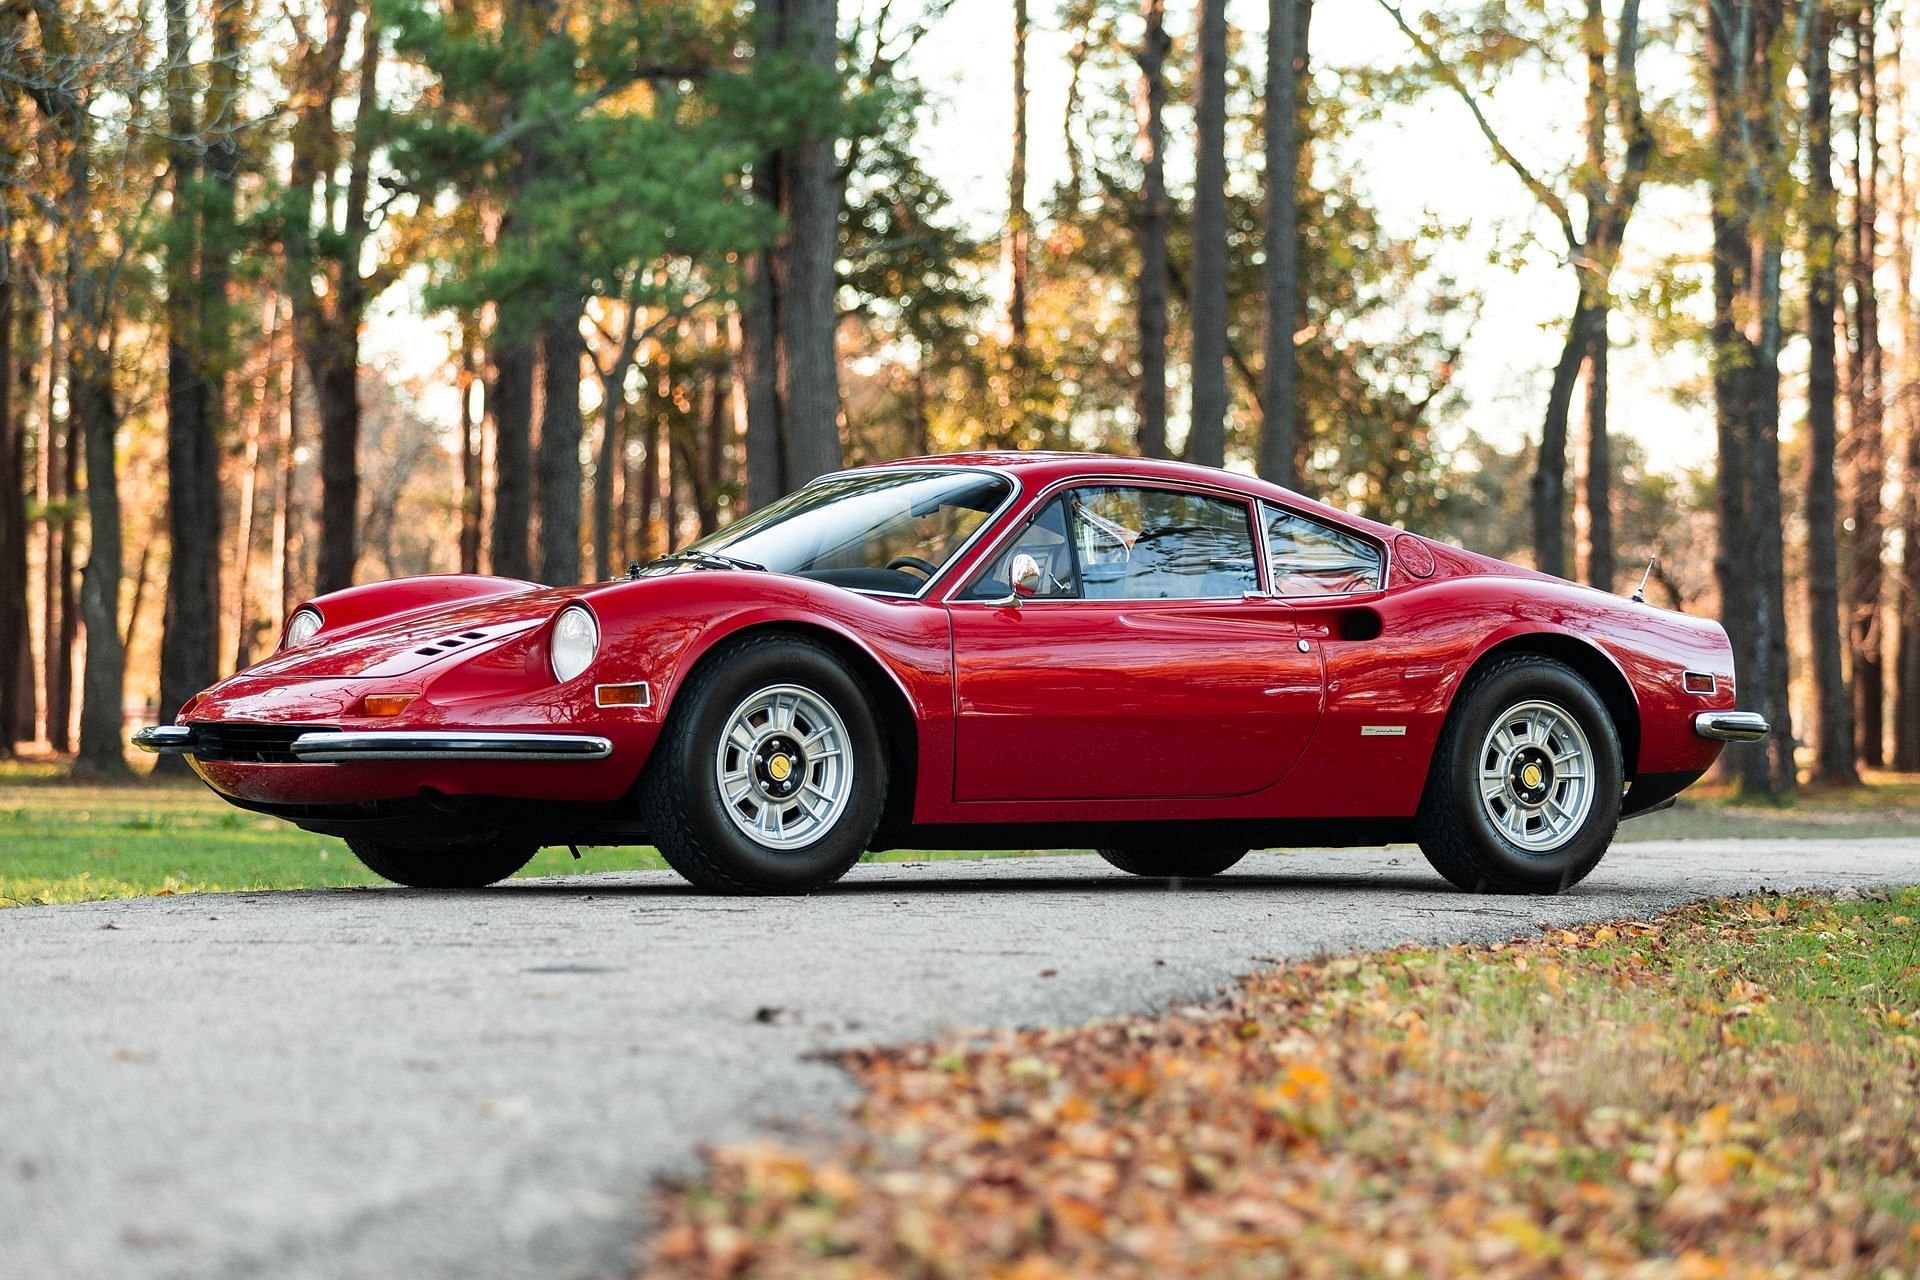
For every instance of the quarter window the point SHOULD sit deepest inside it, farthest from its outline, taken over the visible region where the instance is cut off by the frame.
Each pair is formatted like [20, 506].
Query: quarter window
[1309, 558]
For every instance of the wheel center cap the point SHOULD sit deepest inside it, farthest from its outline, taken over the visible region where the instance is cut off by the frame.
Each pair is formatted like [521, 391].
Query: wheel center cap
[779, 766]
[1531, 776]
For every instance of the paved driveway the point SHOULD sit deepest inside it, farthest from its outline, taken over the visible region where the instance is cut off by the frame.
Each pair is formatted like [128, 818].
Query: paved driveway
[385, 1083]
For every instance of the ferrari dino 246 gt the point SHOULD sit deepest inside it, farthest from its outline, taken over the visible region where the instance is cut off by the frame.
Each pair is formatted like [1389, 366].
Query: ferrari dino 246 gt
[1168, 663]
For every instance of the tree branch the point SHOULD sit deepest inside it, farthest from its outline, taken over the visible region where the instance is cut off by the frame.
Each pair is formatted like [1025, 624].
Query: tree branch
[1549, 200]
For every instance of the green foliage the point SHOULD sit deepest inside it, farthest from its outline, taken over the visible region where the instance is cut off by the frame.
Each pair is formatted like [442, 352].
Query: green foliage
[597, 145]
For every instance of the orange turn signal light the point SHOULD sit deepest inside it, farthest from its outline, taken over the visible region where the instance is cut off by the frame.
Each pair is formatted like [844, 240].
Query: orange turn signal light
[387, 704]
[623, 695]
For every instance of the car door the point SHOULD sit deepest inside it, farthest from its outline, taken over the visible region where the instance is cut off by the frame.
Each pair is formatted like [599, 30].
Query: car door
[1144, 664]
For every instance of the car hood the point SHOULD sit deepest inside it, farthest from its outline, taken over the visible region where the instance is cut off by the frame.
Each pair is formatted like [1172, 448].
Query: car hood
[405, 643]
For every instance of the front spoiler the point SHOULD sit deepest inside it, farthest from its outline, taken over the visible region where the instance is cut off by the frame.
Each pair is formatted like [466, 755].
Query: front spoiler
[349, 746]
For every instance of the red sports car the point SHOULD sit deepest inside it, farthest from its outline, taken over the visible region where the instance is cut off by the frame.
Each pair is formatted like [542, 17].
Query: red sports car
[1170, 663]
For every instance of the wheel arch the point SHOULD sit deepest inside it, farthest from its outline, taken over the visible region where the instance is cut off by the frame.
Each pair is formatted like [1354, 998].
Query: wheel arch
[885, 694]
[1590, 663]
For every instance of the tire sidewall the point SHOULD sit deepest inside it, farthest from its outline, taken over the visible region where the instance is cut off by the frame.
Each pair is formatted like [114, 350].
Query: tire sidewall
[1545, 681]
[693, 749]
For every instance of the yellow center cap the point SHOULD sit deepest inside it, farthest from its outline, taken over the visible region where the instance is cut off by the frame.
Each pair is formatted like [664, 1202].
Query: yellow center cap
[1531, 775]
[780, 767]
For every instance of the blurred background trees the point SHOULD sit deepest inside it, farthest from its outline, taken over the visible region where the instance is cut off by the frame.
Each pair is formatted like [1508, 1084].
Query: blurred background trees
[305, 293]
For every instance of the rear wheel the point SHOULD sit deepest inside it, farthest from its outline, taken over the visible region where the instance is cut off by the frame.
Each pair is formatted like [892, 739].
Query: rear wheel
[770, 776]
[1524, 792]
[444, 866]
[1190, 864]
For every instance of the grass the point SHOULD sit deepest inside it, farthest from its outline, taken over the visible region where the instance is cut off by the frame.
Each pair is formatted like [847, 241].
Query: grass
[64, 840]
[1731, 1090]
[1887, 805]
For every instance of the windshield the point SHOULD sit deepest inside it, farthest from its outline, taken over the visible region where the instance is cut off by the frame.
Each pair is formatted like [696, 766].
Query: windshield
[883, 530]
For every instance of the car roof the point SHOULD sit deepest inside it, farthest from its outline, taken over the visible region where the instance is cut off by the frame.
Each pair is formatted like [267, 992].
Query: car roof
[1039, 468]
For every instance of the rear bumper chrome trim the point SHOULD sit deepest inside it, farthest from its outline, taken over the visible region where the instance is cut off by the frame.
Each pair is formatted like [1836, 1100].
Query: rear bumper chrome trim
[402, 744]
[164, 739]
[1732, 726]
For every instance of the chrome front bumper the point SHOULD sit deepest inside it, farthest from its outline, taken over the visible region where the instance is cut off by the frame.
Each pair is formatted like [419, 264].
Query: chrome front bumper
[347, 746]
[164, 739]
[1732, 726]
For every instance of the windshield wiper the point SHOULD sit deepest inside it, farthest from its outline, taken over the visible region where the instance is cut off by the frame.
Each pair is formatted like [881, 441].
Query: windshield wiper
[700, 555]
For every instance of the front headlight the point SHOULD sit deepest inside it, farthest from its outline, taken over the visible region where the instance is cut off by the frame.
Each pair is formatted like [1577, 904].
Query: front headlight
[301, 627]
[576, 638]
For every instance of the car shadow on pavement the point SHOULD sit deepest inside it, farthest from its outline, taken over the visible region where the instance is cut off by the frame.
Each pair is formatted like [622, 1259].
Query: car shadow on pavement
[659, 885]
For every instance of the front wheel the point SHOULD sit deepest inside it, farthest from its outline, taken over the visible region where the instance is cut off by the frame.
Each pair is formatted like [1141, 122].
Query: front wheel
[446, 866]
[1190, 864]
[770, 776]
[1524, 792]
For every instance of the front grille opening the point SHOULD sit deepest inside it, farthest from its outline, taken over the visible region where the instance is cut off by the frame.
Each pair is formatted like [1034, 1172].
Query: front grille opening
[240, 743]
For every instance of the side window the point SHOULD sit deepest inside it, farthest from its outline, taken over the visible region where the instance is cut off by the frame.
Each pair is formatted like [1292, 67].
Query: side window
[1160, 544]
[1314, 559]
[1045, 539]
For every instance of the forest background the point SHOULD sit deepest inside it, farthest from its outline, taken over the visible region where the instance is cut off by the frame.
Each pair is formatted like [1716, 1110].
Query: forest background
[296, 293]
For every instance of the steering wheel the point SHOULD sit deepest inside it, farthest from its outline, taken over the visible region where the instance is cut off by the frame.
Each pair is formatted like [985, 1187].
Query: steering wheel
[913, 562]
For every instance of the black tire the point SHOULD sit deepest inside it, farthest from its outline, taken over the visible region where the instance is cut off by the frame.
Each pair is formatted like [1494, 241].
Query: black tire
[1459, 835]
[444, 866]
[1184, 864]
[681, 802]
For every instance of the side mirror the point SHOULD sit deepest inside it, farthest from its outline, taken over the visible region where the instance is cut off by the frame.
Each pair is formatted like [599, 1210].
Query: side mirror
[1025, 576]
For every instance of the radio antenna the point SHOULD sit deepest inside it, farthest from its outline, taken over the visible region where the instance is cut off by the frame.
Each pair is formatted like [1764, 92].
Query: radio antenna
[1640, 592]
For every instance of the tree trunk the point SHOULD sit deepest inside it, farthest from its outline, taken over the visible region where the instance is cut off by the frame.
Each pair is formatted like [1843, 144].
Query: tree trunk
[1599, 491]
[1207, 302]
[558, 464]
[1286, 67]
[718, 396]
[1151, 295]
[612, 401]
[1865, 447]
[759, 368]
[1733, 360]
[1768, 518]
[471, 515]
[13, 495]
[511, 405]
[1746, 114]
[334, 364]
[243, 620]
[286, 500]
[805, 276]
[1832, 711]
[1019, 227]
[190, 632]
[1906, 700]
[1549, 490]
[91, 389]
[1596, 510]
[649, 488]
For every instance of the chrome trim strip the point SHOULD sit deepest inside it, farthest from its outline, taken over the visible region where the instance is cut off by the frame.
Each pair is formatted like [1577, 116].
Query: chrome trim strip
[339, 747]
[165, 739]
[1732, 726]
[1263, 557]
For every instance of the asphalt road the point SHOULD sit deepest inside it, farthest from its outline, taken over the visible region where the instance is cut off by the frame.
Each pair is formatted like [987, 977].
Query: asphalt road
[380, 1082]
